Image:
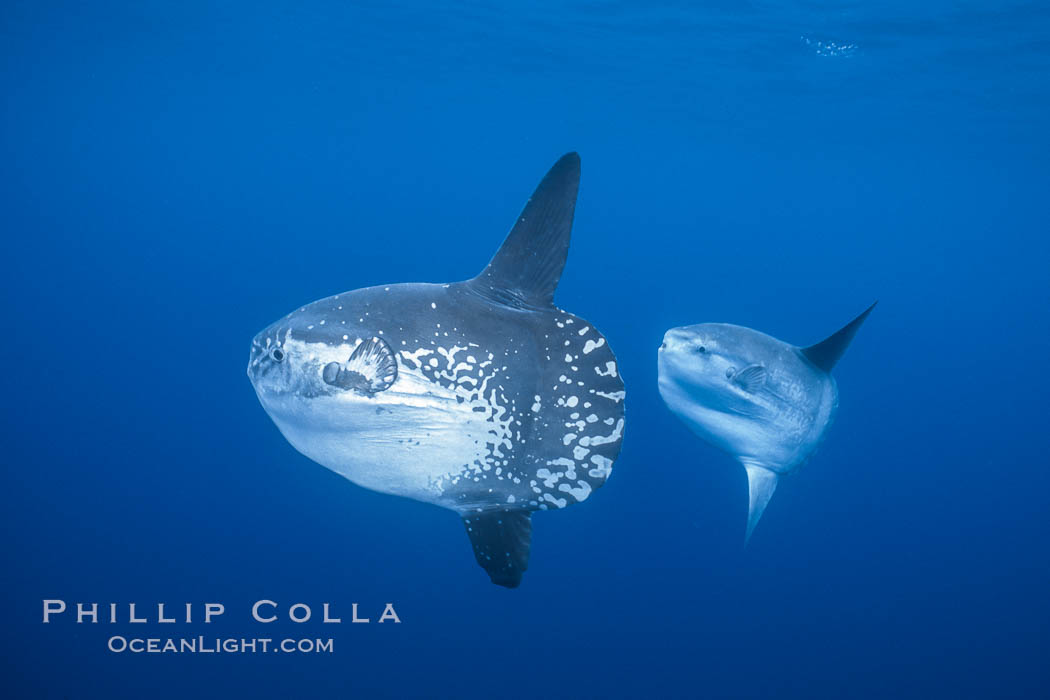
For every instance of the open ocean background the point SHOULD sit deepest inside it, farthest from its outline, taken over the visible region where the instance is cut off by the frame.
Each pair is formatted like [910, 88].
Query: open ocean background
[178, 175]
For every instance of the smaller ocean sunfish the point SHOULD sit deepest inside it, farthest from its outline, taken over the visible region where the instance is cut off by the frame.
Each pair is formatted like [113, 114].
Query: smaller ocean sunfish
[764, 401]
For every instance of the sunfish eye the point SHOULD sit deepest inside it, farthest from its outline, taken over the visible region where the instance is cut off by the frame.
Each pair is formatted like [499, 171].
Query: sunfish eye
[277, 354]
[701, 348]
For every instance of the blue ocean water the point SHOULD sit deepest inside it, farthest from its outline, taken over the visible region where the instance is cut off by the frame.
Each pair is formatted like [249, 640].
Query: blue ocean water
[179, 175]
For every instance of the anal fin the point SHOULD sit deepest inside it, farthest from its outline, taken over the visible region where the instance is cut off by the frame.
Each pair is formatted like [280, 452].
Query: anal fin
[761, 483]
[501, 540]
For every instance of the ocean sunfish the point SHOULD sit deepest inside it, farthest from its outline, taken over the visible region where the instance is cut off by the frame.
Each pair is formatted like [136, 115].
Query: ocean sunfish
[479, 396]
[764, 401]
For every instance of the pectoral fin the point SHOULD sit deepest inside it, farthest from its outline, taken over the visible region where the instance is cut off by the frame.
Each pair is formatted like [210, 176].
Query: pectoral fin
[761, 484]
[370, 369]
[751, 378]
[501, 540]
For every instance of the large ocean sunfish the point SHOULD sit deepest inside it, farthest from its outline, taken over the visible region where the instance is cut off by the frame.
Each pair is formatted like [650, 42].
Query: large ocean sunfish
[767, 403]
[479, 396]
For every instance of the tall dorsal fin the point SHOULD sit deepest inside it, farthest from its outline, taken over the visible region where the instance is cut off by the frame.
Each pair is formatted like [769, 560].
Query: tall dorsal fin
[526, 269]
[828, 351]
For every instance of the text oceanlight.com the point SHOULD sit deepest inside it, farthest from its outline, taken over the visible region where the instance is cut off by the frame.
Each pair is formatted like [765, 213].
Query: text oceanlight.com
[202, 645]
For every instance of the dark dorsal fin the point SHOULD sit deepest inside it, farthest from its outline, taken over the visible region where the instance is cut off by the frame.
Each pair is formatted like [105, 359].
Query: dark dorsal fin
[527, 267]
[501, 540]
[828, 351]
